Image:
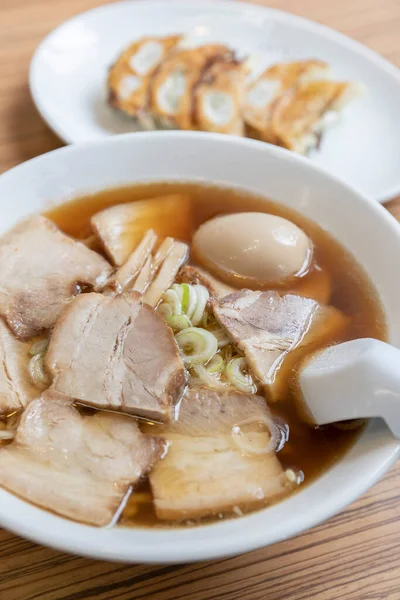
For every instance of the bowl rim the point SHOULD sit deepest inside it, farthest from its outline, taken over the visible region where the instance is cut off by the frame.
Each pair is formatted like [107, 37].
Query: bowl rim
[225, 538]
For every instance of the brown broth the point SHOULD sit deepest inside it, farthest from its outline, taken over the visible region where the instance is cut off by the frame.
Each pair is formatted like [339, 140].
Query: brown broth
[313, 450]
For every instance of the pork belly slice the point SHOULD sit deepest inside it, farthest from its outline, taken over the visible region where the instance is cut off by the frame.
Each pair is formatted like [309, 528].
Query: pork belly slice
[16, 386]
[275, 331]
[197, 275]
[80, 467]
[40, 268]
[116, 354]
[121, 227]
[205, 471]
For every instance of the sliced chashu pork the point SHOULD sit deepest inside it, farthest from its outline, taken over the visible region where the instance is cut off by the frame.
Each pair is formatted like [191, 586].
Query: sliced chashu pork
[16, 386]
[122, 227]
[117, 354]
[274, 331]
[40, 268]
[217, 457]
[80, 467]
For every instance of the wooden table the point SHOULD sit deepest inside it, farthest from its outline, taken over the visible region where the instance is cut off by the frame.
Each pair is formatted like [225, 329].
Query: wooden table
[355, 555]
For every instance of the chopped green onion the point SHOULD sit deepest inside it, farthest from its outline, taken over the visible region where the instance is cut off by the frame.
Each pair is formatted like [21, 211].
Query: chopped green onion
[189, 299]
[178, 322]
[202, 296]
[216, 364]
[37, 371]
[185, 287]
[211, 380]
[237, 375]
[179, 291]
[39, 347]
[165, 310]
[197, 345]
[171, 297]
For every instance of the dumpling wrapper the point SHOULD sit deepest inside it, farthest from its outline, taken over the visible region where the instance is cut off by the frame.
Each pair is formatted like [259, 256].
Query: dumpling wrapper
[263, 93]
[303, 113]
[172, 88]
[218, 98]
[130, 76]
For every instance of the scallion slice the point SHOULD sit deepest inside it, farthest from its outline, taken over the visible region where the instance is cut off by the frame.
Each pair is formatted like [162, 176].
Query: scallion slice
[237, 375]
[197, 345]
[178, 322]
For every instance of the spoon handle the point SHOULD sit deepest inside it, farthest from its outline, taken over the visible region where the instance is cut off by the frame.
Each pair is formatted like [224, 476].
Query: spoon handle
[354, 380]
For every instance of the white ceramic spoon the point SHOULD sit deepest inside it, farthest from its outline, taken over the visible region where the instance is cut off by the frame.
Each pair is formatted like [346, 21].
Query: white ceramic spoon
[353, 380]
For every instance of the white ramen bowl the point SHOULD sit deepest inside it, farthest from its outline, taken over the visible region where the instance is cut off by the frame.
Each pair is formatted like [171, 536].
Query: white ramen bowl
[365, 228]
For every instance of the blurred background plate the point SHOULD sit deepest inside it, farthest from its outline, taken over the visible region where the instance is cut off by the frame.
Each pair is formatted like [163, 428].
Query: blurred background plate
[69, 68]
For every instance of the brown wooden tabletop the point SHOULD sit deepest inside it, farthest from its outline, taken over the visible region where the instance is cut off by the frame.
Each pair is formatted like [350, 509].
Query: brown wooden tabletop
[356, 554]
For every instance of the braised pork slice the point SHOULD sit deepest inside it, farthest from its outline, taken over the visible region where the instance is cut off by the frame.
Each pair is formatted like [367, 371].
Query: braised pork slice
[40, 268]
[220, 455]
[16, 387]
[117, 354]
[274, 331]
[81, 467]
[189, 274]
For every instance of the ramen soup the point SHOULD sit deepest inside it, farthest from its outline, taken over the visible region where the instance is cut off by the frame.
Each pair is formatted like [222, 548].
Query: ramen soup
[150, 339]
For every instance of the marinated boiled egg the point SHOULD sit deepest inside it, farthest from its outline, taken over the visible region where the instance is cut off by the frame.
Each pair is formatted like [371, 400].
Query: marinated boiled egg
[253, 249]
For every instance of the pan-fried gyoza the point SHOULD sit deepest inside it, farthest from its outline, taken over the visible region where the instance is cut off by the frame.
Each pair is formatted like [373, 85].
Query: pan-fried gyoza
[166, 83]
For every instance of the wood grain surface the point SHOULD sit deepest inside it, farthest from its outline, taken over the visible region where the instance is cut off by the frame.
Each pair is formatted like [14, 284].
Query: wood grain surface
[355, 555]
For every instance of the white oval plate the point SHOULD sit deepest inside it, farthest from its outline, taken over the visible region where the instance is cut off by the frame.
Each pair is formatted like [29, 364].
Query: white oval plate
[68, 73]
